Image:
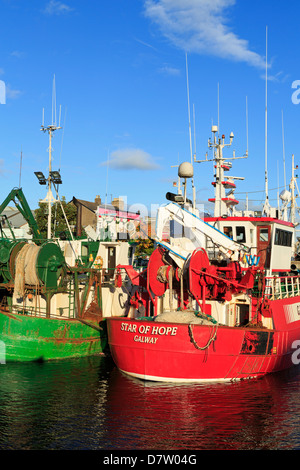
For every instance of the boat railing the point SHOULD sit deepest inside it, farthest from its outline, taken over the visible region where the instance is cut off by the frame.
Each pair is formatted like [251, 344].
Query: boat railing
[281, 287]
[38, 311]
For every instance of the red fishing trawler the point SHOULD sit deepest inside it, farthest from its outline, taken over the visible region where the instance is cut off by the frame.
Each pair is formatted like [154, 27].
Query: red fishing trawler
[220, 301]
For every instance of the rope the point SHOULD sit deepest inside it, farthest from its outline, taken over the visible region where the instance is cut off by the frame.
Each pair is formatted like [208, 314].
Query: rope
[31, 277]
[211, 339]
[25, 269]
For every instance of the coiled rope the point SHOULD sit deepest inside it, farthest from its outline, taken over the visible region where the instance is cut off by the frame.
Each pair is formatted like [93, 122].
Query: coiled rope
[26, 269]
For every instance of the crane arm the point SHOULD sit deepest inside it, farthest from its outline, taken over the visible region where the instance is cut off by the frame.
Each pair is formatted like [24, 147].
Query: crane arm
[24, 209]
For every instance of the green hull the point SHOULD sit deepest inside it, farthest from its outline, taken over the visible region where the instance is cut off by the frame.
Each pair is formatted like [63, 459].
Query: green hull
[26, 338]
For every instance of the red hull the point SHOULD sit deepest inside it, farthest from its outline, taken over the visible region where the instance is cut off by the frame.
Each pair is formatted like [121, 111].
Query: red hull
[174, 352]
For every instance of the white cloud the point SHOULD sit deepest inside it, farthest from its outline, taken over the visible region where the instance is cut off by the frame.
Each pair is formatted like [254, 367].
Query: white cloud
[55, 7]
[278, 77]
[11, 93]
[17, 54]
[145, 44]
[2, 169]
[201, 26]
[131, 159]
[168, 70]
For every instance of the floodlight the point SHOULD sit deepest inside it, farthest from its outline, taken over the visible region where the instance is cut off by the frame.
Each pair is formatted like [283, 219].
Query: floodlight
[55, 177]
[40, 176]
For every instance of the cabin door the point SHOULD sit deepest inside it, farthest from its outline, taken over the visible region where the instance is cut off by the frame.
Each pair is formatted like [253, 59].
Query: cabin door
[264, 245]
[111, 262]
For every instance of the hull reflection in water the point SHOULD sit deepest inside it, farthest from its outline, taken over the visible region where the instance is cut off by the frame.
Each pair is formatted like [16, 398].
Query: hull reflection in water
[246, 415]
[89, 404]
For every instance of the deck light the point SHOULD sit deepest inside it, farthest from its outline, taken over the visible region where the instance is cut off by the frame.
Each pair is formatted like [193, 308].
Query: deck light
[55, 177]
[40, 176]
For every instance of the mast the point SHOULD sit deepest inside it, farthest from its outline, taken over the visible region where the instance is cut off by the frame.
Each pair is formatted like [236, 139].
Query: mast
[190, 131]
[222, 201]
[266, 208]
[290, 196]
[283, 149]
[53, 177]
[292, 187]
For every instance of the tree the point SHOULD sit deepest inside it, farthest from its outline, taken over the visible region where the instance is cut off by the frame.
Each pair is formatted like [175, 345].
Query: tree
[144, 247]
[58, 221]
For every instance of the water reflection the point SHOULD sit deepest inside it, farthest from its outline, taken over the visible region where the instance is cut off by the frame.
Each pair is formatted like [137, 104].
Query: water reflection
[256, 414]
[88, 404]
[51, 405]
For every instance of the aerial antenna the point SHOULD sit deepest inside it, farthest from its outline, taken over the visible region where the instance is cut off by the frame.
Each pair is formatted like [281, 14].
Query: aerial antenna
[266, 205]
[107, 178]
[189, 114]
[292, 186]
[53, 102]
[62, 139]
[283, 150]
[190, 132]
[278, 204]
[194, 132]
[218, 107]
[59, 115]
[247, 125]
[20, 168]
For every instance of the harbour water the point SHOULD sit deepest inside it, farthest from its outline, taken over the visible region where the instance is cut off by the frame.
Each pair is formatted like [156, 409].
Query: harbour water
[87, 404]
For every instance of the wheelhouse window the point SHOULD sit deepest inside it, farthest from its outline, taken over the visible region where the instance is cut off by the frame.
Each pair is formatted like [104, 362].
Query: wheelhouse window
[240, 234]
[283, 237]
[264, 235]
[228, 232]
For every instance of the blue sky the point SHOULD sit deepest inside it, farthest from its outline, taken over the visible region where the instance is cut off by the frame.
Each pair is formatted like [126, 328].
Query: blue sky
[120, 72]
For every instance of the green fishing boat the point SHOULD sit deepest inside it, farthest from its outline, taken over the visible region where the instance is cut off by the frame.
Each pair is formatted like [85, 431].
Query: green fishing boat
[49, 309]
[27, 338]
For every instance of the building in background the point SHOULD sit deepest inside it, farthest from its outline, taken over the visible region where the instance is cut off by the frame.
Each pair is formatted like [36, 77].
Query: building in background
[106, 221]
[12, 220]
